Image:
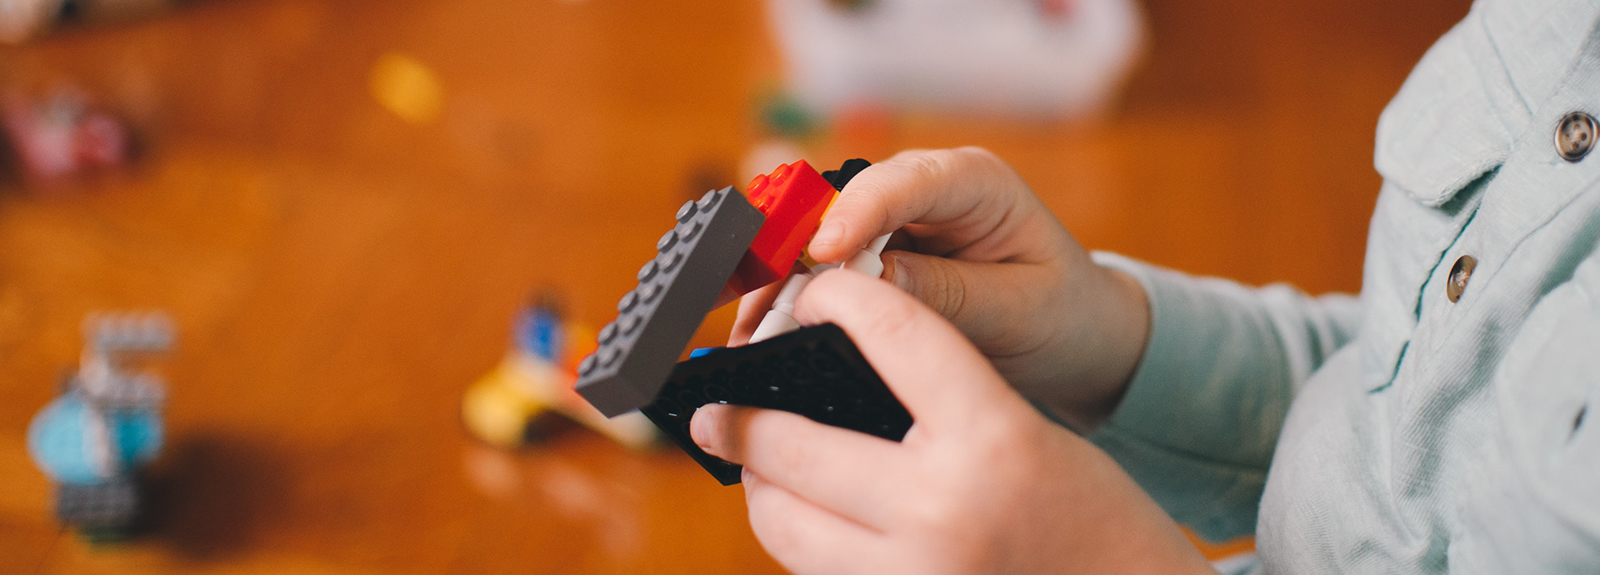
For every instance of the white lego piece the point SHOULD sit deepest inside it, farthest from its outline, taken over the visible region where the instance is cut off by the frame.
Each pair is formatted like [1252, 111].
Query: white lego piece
[867, 261]
[780, 319]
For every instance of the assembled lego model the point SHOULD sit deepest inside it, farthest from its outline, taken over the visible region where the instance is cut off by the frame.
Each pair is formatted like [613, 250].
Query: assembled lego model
[724, 243]
[508, 407]
[94, 439]
[62, 136]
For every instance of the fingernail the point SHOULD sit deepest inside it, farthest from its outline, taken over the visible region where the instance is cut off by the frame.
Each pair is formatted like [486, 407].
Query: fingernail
[896, 270]
[831, 233]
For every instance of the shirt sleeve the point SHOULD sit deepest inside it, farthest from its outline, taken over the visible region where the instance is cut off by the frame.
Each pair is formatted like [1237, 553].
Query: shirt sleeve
[1536, 504]
[1202, 414]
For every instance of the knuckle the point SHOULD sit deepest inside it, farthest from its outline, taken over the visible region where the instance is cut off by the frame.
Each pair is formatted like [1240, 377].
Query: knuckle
[729, 428]
[776, 532]
[947, 291]
[776, 433]
[934, 514]
[932, 165]
[977, 153]
[895, 319]
[707, 429]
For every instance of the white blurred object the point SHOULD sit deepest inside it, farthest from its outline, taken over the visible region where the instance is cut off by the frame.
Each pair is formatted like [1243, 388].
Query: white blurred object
[21, 20]
[1012, 57]
[761, 157]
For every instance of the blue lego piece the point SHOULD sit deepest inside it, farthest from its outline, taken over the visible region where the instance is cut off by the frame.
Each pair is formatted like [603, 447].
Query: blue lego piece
[538, 332]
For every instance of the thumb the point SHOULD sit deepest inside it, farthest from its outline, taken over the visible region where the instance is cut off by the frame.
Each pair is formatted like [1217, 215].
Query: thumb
[985, 300]
[933, 280]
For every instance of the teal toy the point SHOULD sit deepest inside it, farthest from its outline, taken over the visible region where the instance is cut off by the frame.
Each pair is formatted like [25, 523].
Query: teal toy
[105, 427]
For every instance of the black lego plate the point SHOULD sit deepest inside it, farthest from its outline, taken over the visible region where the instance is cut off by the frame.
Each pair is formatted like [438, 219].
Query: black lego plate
[816, 372]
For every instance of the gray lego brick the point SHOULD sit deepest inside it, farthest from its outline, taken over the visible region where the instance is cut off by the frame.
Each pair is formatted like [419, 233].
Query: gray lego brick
[676, 290]
[114, 504]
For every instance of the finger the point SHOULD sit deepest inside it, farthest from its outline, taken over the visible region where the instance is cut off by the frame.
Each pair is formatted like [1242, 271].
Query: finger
[935, 372]
[982, 299]
[752, 308]
[806, 538]
[843, 471]
[901, 241]
[967, 192]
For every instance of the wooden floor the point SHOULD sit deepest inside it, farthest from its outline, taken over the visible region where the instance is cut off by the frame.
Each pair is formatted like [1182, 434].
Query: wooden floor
[339, 275]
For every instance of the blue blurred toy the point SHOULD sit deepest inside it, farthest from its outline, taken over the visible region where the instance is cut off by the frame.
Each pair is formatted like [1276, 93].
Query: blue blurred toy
[105, 426]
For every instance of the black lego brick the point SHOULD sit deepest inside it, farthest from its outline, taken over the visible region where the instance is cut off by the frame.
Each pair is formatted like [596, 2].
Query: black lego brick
[676, 290]
[814, 371]
[845, 173]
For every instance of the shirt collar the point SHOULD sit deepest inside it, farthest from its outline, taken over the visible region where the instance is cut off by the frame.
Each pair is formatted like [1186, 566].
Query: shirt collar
[1475, 91]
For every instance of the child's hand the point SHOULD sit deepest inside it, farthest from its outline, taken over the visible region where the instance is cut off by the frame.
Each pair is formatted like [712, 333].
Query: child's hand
[978, 247]
[981, 484]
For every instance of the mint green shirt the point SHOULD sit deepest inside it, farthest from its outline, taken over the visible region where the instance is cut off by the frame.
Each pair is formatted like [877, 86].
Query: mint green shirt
[1402, 432]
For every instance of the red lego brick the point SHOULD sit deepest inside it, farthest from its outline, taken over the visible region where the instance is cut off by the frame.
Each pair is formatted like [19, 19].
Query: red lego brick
[794, 198]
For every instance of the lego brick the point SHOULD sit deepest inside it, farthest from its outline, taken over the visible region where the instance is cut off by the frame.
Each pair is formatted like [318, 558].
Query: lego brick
[676, 290]
[815, 371]
[793, 197]
[845, 173]
[99, 506]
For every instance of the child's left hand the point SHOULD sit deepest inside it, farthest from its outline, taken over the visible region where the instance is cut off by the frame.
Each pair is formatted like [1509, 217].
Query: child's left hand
[981, 484]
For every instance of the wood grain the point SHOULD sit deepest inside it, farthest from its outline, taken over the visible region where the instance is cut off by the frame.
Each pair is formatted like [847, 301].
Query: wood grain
[339, 275]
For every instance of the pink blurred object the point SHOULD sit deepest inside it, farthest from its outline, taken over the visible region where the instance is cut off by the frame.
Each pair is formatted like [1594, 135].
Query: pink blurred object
[63, 136]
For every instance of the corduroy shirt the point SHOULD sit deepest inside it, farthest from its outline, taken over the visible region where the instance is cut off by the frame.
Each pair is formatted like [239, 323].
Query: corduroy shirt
[1412, 429]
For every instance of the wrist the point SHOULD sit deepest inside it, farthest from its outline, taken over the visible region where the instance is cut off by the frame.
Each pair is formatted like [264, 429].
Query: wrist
[1103, 323]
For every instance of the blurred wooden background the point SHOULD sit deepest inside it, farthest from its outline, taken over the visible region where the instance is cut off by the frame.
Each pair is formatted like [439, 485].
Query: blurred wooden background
[340, 275]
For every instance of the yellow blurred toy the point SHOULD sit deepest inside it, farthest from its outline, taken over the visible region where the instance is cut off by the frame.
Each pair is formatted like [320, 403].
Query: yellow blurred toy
[506, 407]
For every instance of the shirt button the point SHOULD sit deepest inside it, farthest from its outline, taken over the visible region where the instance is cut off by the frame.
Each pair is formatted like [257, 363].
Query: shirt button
[1459, 276]
[1575, 136]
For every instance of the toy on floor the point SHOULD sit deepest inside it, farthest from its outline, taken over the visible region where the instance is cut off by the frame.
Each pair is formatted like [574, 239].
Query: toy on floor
[722, 243]
[105, 427]
[21, 20]
[508, 407]
[1057, 58]
[62, 136]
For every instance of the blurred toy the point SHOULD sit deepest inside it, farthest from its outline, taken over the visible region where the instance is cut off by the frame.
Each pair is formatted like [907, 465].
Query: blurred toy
[62, 136]
[508, 407]
[21, 20]
[94, 439]
[407, 88]
[1010, 57]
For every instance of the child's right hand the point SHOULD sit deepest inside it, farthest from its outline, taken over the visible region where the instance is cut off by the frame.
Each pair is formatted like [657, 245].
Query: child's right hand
[976, 245]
